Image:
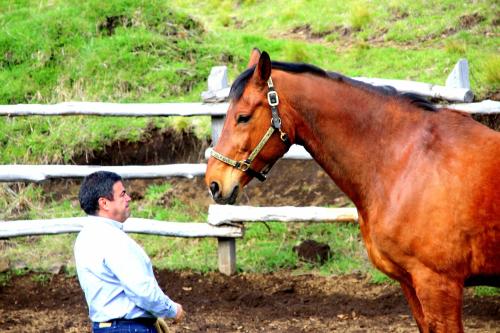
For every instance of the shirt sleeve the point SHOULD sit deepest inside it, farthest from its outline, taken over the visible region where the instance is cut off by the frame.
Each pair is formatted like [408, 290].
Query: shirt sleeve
[133, 269]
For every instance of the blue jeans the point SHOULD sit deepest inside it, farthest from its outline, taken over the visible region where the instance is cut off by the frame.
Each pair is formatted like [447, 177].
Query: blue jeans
[123, 326]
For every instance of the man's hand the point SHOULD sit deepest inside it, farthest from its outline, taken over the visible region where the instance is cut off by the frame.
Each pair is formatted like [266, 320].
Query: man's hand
[179, 316]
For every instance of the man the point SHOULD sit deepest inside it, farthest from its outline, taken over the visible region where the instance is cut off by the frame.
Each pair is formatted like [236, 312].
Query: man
[114, 272]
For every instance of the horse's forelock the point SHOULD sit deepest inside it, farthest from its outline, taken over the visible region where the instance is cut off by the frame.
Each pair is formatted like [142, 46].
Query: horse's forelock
[240, 83]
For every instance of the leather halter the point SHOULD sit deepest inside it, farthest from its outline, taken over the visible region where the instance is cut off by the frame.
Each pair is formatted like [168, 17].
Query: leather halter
[245, 165]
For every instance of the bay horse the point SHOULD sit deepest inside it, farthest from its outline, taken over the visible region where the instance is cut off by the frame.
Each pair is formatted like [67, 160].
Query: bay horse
[425, 180]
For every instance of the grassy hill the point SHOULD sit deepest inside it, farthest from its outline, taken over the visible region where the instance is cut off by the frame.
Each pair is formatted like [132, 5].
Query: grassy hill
[157, 51]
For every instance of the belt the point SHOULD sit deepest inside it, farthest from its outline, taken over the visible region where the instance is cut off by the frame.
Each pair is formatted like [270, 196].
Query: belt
[149, 321]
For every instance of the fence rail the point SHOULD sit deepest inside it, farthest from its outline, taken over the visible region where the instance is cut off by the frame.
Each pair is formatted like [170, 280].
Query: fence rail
[39, 173]
[20, 228]
[171, 109]
[221, 225]
[115, 109]
[225, 235]
[227, 214]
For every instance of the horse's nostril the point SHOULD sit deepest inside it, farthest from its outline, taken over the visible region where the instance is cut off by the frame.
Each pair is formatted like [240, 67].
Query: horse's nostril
[214, 188]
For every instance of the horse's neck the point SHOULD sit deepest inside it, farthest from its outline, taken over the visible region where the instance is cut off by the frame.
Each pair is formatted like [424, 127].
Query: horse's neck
[353, 135]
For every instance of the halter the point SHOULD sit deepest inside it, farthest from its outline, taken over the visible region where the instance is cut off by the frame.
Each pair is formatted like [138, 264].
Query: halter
[244, 165]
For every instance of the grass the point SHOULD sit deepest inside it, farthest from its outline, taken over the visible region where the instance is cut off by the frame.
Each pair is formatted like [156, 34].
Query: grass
[360, 16]
[58, 140]
[492, 72]
[485, 291]
[156, 51]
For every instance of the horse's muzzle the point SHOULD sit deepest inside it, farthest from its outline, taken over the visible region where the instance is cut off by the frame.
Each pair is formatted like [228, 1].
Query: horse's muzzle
[216, 193]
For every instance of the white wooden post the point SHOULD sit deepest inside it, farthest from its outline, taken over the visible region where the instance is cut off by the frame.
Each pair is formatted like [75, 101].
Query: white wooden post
[217, 124]
[459, 76]
[218, 91]
[227, 255]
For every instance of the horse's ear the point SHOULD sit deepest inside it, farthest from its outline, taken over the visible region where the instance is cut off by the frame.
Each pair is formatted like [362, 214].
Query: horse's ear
[263, 69]
[254, 57]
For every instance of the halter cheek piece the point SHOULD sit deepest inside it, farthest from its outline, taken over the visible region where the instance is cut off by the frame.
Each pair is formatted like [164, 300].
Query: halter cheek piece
[273, 100]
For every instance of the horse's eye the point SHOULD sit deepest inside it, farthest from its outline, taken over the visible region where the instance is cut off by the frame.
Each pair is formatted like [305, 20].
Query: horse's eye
[243, 118]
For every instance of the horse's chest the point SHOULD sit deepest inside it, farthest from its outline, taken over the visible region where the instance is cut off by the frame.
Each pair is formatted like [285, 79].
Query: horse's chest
[378, 246]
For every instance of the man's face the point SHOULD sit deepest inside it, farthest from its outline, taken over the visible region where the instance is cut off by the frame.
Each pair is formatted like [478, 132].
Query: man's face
[118, 208]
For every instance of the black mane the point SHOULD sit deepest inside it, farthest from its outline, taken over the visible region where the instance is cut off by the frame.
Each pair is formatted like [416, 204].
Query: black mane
[241, 81]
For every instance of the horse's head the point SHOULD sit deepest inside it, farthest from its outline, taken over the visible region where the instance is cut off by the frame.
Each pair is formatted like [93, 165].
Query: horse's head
[252, 138]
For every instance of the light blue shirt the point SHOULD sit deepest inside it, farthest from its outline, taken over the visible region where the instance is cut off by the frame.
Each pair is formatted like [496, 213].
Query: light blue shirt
[116, 275]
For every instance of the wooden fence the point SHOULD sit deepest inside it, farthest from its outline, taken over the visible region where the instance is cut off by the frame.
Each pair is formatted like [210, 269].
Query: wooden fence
[221, 219]
[222, 224]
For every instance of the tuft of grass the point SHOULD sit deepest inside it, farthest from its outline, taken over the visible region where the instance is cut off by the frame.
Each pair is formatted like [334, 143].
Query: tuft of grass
[360, 16]
[5, 278]
[41, 278]
[455, 47]
[19, 200]
[492, 70]
[377, 277]
[156, 192]
[265, 248]
[485, 291]
[295, 52]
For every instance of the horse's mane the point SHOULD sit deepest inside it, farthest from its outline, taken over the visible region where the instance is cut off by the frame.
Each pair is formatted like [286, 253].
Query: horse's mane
[241, 81]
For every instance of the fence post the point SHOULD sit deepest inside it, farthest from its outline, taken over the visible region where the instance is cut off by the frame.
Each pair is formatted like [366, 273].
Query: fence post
[217, 123]
[218, 91]
[459, 76]
[227, 255]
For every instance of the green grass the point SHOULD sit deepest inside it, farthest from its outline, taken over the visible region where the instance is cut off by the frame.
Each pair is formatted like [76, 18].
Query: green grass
[485, 291]
[56, 140]
[157, 51]
[420, 35]
[73, 50]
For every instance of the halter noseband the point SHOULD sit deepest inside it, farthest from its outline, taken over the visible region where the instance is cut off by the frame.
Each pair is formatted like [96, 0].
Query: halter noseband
[244, 165]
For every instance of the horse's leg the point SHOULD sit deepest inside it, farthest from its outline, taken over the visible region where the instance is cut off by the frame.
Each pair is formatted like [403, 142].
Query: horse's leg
[441, 300]
[415, 306]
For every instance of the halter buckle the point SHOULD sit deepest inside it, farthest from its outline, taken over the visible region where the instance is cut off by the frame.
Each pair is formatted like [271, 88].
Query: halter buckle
[276, 123]
[244, 166]
[272, 98]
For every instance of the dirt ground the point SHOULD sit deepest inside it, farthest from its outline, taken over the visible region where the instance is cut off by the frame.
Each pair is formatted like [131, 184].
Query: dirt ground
[278, 302]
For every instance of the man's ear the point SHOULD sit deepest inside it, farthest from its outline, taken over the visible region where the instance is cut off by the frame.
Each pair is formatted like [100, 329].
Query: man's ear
[103, 204]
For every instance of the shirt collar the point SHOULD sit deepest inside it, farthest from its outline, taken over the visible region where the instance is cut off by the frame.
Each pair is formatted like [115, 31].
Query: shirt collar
[110, 222]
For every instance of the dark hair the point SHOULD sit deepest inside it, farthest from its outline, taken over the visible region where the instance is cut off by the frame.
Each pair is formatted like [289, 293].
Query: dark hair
[94, 186]
[241, 81]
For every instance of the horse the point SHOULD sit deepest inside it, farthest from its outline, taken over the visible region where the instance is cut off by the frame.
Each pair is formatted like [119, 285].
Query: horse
[425, 180]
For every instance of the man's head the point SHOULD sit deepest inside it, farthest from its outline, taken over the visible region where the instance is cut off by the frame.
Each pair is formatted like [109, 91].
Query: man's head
[102, 193]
